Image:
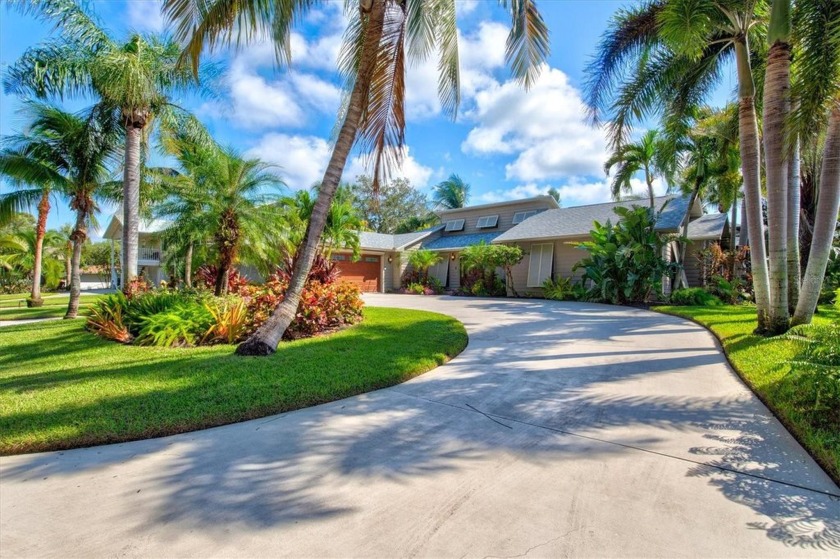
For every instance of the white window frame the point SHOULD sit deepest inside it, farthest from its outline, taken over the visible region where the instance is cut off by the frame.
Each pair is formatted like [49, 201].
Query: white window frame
[487, 222]
[522, 216]
[454, 225]
[540, 252]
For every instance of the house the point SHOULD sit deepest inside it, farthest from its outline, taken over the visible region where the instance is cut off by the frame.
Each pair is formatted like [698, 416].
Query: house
[149, 250]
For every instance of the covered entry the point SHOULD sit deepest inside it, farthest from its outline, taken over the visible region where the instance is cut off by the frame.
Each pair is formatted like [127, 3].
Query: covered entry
[365, 273]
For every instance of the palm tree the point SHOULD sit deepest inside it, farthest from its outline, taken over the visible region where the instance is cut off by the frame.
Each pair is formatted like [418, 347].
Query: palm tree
[379, 36]
[340, 232]
[816, 89]
[28, 249]
[73, 152]
[422, 260]
[666, 56]
[220, 196]
[630, 158]
[451, 194]
[135, 76]
[13, 160]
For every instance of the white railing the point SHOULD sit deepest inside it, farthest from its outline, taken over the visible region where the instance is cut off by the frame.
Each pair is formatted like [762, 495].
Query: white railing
[148, 253]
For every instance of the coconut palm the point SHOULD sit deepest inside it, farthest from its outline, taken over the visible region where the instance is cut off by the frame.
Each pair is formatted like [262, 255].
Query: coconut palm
[220, 196]
[631, 158]
[666, 56]
[451, 194]
[136, 75]
[380, 36]
[75, 153]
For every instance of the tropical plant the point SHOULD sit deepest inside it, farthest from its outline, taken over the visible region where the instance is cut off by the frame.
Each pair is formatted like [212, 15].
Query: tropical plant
[422, 260]
[625, 263]
[373, 61]
[33, 256]
[632, 157]
[74, 152]
[451, 194]
[560, 289]
[486, 259]
[694, 297]
[230, 206]
[136, 75]
[341, 230]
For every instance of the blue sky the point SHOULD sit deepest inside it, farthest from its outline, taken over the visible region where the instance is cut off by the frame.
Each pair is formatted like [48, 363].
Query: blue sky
[506, 143]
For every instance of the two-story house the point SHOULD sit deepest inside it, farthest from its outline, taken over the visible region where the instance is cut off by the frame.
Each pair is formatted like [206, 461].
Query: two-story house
[149, 250]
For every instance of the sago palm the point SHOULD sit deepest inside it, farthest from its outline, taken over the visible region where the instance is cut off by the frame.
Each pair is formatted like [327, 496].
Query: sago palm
[136, 75]
[380, 38]
[75, 153]
[451, 194]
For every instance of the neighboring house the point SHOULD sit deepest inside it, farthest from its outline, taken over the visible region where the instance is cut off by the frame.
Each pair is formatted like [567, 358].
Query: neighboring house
[149, 250]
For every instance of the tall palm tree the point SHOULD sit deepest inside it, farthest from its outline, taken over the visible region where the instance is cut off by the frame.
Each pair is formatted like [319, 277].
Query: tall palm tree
[136, 76]
[816, 89]
[13, 160]
[666, 56]
[379, 36]
[75, 153]
[630, 158]
[451, 194]
[220, 196]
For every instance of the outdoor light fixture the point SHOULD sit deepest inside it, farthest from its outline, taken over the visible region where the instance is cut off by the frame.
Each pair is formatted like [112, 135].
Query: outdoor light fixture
[452, 256]
[390, 259]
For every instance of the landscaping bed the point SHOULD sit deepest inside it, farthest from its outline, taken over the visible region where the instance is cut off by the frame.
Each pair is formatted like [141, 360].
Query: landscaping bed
[62, 387]
[765, 365]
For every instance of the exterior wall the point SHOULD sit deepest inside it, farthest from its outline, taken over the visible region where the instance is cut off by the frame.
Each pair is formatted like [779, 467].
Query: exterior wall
[454, 270]
[505, 213]
[693, 265]
[391, 266]
[565, 257]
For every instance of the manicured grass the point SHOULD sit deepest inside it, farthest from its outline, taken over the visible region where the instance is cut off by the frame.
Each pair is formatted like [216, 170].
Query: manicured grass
[54, 307]
[61, 387]
[764, 364]
[50, 299]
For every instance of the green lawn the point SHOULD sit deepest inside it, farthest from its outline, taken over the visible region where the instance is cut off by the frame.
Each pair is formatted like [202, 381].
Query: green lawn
[61, 387]
[54, 306]
[763, 363]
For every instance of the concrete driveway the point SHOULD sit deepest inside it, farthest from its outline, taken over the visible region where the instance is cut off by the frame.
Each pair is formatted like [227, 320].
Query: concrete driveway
[563, 430]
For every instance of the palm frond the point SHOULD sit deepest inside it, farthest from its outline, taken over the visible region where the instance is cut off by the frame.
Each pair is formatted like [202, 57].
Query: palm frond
[528, 44]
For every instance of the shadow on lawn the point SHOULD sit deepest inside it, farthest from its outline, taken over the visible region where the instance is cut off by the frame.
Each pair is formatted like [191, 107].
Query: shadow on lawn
[302, 467]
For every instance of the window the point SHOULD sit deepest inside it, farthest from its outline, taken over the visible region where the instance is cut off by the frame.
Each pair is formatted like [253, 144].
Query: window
[539, 265]
[371, 259]
[487, 221]
[338, 258]
[454, 225]
[519, 217]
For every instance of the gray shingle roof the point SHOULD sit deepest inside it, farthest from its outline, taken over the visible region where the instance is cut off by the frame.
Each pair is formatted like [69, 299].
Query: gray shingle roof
[707, 227]
[388, 242]
[577, 221]
[457, 242]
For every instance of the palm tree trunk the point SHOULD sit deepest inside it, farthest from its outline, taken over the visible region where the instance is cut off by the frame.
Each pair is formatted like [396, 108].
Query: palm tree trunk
[40, 230]
[682, 279]
[188, 265]
[649, 181]
[825, 222]
[744, 234]
[793, 209]
[265, 340]
[78, 237]
[131, 197]
[751, 170]
[776, 110]
[733, 220]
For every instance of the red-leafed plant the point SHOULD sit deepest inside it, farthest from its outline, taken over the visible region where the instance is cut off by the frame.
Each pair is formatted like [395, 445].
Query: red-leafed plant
[207, 274]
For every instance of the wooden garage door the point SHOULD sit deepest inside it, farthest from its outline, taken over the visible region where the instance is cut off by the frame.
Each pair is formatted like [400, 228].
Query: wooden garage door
[364, 272]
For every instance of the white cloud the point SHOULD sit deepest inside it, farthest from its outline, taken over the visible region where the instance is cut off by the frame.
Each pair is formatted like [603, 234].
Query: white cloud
[545, 127]
[576, 192]
[522, 191]
[145, 15]
[465, 7]
[320, 94]
[258, 103]
[302, 159]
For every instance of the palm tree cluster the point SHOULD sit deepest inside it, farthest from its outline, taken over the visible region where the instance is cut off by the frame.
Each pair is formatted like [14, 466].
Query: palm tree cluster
[664, 58]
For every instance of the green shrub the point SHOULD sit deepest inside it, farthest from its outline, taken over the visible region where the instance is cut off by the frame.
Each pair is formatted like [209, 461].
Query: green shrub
[730, 292]
[107, 318]
[694, 297]
[182, 325]
[816, 369]
[483, 260]
[625, 261]
[561, 289]
[837, 299]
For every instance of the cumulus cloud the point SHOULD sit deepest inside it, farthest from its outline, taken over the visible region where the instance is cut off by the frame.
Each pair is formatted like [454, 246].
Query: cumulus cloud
[303, 159]
[258, 103]
[544, 127]
[145, 15]
[576, 192]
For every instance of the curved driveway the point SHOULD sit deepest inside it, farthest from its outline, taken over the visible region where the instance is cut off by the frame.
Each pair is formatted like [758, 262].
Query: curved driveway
[562, 430]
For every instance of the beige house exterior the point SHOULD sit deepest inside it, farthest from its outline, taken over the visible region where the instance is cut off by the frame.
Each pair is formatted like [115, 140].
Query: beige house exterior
[150, 253]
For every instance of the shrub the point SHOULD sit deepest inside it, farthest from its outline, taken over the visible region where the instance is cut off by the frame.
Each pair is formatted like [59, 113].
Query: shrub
[107, 318]
[730, 292]
[415, 282]
[136, 286]
[205, 277]
[560, 289]
[484, 260]
[230, 321]
[323, 270]
[694, 297]
[625, 261]
[181, 325]
[816, 369]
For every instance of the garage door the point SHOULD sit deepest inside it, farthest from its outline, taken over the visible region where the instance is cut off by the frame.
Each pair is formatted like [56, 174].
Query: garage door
[364, 273]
